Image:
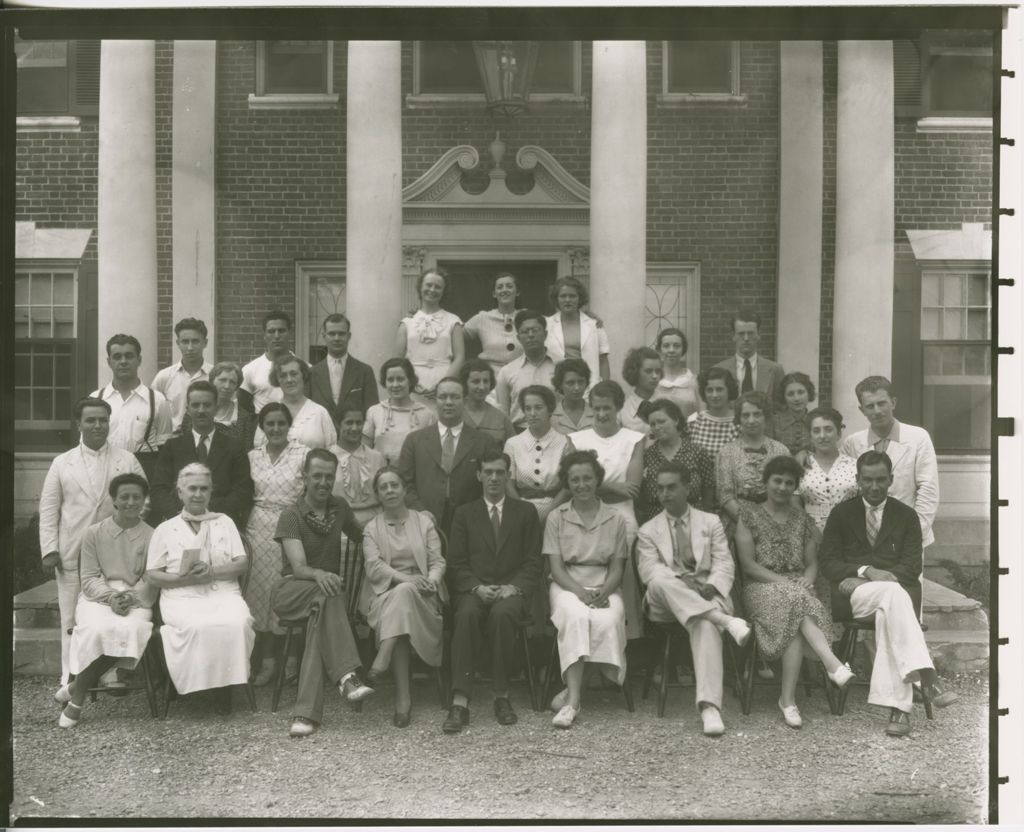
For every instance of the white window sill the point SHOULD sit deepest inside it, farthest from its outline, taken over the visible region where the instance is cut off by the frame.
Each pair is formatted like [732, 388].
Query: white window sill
[954, 124]
[294, 101]
[682, 99]
[49, 124]
[423, 101]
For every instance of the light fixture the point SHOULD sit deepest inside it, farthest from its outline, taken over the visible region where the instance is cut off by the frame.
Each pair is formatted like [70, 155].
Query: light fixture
[506, 69]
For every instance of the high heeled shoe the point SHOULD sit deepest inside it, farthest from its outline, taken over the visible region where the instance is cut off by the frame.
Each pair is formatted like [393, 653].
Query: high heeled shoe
[400, 720]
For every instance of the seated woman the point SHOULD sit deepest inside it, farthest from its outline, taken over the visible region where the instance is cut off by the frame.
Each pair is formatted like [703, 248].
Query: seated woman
[390, 421]
[113, 615]
[642, 370]
[715, 425]
[571, 382]
[678, 383]
[404, 588]
[312, 425]
[788, 423]
[196, 559]
[478, 378]
[357, 467]
[585, 543]
[777, 546]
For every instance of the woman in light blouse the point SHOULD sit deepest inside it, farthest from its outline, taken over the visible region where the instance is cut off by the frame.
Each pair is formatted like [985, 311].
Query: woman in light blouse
[357, 468]
[537, 452]
[312, 425]
[390, 421]
[574, 334]
[478, 379]
[678, 383]
[432, 338]
[642, 371]
[113, 615]
[571, 382]
[495, 328]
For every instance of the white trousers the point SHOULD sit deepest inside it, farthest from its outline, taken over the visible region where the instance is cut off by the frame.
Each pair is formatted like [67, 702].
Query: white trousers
[68, 586]
[900, 651]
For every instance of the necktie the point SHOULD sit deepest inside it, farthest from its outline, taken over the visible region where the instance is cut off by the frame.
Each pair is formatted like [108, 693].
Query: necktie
[874, 522]
[448, 451]
[682, 553]
[495, 523]
[201, 451]
[881, 445]
[748, 380]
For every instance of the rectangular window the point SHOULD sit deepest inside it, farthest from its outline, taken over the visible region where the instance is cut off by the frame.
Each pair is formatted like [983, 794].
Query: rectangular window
[57, 77]
[956, 342]
[944, 78]
[700, 70]
[319, 292]
[294, 74]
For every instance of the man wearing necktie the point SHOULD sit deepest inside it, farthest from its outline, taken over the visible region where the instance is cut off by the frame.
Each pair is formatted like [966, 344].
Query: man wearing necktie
[751, 370]
[205, 442]
[341, 382]
[438, 462]
[871, 554]
[683, 558]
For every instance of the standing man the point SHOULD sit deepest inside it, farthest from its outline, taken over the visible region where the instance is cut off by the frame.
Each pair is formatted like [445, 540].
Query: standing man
[534, 366]
[683, 557]
[341, 382]
[871, 554]
[190, 335]
[915, 471]
[256, 389]
[74, 497]
[438, 463]
[494, 566]
[208, 443]
[751, 371]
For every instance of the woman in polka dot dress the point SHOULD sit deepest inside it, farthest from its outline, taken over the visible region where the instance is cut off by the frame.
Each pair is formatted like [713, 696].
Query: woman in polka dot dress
[830, 477]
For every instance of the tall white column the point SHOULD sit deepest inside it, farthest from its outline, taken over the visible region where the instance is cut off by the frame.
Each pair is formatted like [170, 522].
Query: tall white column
[126, 239]
[373, 253]
[618, 190]
[192, 183]
[801, 166]
[865, 222]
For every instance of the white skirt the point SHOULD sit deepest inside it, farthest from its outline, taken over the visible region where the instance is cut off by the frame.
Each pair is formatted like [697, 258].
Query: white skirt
[99, 631]
[592, 635]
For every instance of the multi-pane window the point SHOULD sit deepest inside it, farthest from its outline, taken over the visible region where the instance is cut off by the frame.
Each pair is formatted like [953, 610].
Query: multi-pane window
[449, 68]
[956, 343]
[57, 77]
[45, 347]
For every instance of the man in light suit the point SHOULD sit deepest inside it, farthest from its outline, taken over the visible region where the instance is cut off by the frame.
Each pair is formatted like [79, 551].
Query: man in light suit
[206, 443]
[915, 471]
[871, 554]
[341, 382]
[683, 558]
[494, 566]
[75, 497]
[751, 370]
[438, 463]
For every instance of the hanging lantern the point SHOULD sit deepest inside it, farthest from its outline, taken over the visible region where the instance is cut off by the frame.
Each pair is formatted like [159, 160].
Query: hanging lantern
[506, 69]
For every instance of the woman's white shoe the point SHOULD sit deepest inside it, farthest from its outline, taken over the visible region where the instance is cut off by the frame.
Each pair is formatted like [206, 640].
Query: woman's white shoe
[791, 714]
[841, 675]
[63, 695]
[70, 716]
[565, 717]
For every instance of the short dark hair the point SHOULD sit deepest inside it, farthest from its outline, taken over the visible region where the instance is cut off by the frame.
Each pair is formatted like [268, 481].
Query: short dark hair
[130, 478]
[757, 398]
[674, 466]
[670, 409]
[833, 415]
[579, 458]
[87, 401]
[732, 389]
[453, 380]
[545, 393]
[608, 390]
[349, 410]
[274, 407]
[524, 315]
[277, 315]
[440, 272]
[874, 457]
[795, 378]
[575, 283]
[872, 384]
[322, 454]
[222, 367]
[493, 454]
[284, 361]
[500, 275]
[191, 323]
[121, 339]
[476, 365]
[387, 469]
[201, 386]
[672, 330]
[782, 465]
[748, 315]
[569, 365]
[406, 367]
[634, 360]
[336, 318]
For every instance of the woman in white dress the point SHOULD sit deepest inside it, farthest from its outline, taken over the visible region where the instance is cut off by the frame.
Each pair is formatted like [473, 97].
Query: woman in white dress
[432, 338]
[312, 425]
[641, 369]
[196, 560]
[830, 477]
[495, 328]
[113, 615]
[390, 421]
[276, 471]
[678, 383]
[620, 452]
[572, 333]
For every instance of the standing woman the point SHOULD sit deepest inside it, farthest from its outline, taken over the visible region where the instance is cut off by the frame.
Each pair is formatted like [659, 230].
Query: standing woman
[432, 338]
[571, 381]
[678, 383]
[574, 334]
[312, 425]
[478, 378]
[830, 477]
[390, 421]
[276, 471]
[715, 425]
[495, 329]
[641, 370]
[226, 376]
[789, 421]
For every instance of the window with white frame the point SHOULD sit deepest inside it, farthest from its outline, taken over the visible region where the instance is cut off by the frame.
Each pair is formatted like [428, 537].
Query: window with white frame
[700, 70]
[294, 73]
[673, 300]
[319, 292]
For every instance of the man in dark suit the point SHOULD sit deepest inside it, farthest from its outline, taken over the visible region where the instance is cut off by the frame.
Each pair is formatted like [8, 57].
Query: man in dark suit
[494, 565]
[341, 382]
[751, 370]
[871, 555]
[206, 443]
[438, 463]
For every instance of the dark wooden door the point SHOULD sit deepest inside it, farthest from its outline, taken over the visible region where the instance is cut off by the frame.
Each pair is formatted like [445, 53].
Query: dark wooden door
[472, 284]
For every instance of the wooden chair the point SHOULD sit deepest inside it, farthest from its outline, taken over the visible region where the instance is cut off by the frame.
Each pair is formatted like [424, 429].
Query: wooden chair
[150, 665]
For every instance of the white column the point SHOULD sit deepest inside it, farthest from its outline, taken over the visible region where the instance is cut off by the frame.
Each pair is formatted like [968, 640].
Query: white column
[618, 188]
[192, 183]
[373, 252]
[126, 239]
[865, 222]
[801, 166]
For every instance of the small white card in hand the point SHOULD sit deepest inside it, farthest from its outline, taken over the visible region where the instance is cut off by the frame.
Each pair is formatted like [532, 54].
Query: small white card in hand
[189, 557]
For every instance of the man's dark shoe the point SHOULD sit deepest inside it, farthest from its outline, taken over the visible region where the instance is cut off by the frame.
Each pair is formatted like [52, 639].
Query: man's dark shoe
[457, 717]
[941, 698]
[899, 723]
[503, 712]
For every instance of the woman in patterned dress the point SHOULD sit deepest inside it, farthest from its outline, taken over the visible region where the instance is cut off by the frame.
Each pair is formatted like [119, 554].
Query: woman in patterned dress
[829, 476]
[478, 378]
[495, 328]
[276, 471]
[432, 338]
[312, 425]
[788, 423]
[390, 421]
[678, 383]
[777, 547]
[715, 425]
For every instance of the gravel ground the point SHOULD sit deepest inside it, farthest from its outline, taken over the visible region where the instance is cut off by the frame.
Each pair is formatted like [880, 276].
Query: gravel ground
[122, 764]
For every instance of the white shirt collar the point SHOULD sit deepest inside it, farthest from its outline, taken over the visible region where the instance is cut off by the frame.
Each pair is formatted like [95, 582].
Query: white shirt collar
[684, 517]
[140, 390]
[204, 368]
[879, 507]
[500, 504]
[196, 436]
[339, 361]
[740, 359]
[89, 451]
[456, 430]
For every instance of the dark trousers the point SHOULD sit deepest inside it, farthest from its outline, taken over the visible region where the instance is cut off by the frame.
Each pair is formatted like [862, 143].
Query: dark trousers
[331, 650]
[477, 624]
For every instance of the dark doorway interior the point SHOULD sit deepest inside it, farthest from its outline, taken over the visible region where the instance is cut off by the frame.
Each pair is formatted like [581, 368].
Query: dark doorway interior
[472, 284]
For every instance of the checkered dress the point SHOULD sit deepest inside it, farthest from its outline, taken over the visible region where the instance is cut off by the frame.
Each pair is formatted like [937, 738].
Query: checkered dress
[710, 433]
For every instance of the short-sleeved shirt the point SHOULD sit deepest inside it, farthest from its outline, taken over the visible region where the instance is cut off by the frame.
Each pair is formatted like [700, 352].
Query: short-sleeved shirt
[585, 550]
[563, 424]
[492, 422]
[322, 550]
[497, 335]
[517, 375]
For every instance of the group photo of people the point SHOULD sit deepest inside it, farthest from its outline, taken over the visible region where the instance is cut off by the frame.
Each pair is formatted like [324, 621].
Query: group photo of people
[488, 485]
